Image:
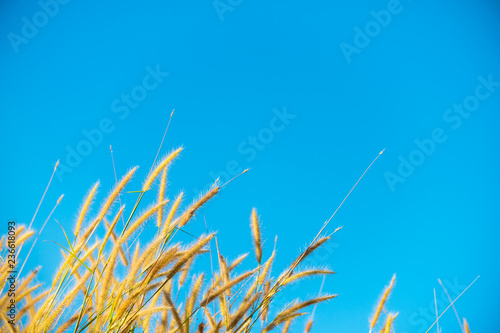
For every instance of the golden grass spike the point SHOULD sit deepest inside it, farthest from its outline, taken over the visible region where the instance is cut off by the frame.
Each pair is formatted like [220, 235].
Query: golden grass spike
[143, 218]
[210, 297]
[28, 291]
[466, 326]
[147, 319]
[85, 208]
[243, 309]
[265, 307]
[203, 240]
[150, 311]
[224, 272]
[307, 303]
[185, 272]
[283, 319]
[381, 303]
[70, 296]
[169, 256]
[306, 273]
[210, 319]
[161, 197]
[106, 281]
[308, 326]
[267, 268]
[286, 327]
[254, 223]
[166, 225]
[192, 298]
[30, 304]
[188, 214]
[110, 229]
[162, 165]
[105, 207]
[388, 323]
[236, 262]
[25, 236]
[123, 257]
[310, 249]
[175, 313]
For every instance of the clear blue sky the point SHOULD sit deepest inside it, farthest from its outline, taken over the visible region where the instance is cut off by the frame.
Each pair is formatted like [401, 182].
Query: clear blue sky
[304, 94]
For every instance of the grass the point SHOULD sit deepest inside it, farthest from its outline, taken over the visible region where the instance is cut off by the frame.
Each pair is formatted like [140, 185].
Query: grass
[109, 284]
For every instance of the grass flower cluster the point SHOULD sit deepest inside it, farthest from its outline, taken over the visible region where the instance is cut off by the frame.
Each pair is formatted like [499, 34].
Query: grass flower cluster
[110, 285]
[100, 288]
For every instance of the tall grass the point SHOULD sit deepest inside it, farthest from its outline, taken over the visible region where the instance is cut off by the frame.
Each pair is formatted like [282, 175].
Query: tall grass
[109, 284]
[98, 288]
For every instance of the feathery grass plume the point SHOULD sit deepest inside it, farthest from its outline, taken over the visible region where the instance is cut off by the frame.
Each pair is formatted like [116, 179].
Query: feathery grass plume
[192, 299]
[243, 309]
[193, 250]
[265, 309]
[309, 302]
[104, 209]
[175, 314]
[267, 268]
[310, 249]
[85, 208]
[236, 262]
[108, 272]
[110, 229]
[388, 323]
[70, 296]
[209, 297]
[385, 295]
[286, 327]
[306, 273]
[23, 237]
[162, 165]
[283, 319]
[184, 274]
[137, 223]
[161, 197]
[466, 326]
[254, 224]
[308, 326]
[166, 225]
[211, 320]
[29, 307]
[121, 252]
[188, 214]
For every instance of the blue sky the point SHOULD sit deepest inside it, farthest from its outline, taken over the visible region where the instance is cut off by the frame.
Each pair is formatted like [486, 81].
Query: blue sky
[304, 94]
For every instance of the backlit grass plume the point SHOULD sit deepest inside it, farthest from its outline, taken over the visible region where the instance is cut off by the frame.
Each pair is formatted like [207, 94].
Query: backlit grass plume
[112, 283]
